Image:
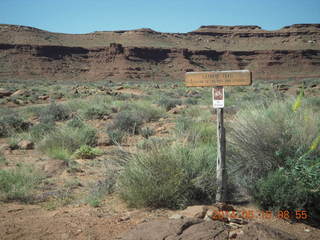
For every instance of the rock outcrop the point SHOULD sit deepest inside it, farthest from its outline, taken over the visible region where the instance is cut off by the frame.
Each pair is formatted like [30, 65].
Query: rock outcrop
[29, 53]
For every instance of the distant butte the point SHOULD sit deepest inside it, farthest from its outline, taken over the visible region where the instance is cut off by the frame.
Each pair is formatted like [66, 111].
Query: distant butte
[31, 53]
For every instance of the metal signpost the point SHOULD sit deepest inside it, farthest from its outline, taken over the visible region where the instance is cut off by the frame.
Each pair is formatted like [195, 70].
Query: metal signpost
[218, 79]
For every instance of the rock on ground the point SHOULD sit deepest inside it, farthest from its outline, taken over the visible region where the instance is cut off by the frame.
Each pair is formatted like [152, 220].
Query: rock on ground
[174, 229]
[259, 231]
[197, 229]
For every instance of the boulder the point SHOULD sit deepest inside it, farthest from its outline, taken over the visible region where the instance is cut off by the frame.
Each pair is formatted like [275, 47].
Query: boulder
[259, 231]
[174, 229]
[25, 145]
[4, 93]
[195, 211]
[178, 109]
[44, 97]
[18, 92]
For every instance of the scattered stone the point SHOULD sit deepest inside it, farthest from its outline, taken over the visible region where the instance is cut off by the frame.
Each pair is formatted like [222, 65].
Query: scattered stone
[15, 209]
[124, 218]
[176, 216]
[26, 145]
[19, 102]
[4, 93]
[18, 92]
[119, 88]
[44, 97]
[178, 109]
[161, 130]
[195, 211]
[235, 225]
[239, 221]
[106, 117]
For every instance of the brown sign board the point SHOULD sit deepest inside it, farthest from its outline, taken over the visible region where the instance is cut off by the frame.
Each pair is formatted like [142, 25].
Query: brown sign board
[218, 78]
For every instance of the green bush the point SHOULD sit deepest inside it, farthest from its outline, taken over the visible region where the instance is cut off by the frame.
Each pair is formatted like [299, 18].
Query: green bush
[275, 155]
[96, 112]
[147, 132]
[12, 123]
[263, 137]
[64, 141]
[128, 121]
[146, 110]
[171, 176]
[39, 131]
[196, 132]
[169, 103]
[76, 122]
[54, 112]
[87, 152]
[116, 135]
[191, 101]
[3, 159]
[295, 187]
[19, 183]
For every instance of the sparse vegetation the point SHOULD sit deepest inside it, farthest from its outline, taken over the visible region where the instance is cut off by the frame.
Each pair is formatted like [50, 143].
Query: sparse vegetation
[159, 158]
[10, 123]
[19, 183]
[169, 103]
[168, 177]
[64, 141]
[116, 135]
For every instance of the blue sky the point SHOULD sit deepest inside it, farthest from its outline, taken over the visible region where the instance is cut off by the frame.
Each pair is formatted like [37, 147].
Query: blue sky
[83, 16]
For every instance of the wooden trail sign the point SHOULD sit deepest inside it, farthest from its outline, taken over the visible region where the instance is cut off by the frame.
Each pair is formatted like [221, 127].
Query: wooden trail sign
[218, 79]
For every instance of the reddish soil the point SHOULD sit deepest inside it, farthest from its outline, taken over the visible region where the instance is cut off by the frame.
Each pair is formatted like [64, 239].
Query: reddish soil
[19, 221]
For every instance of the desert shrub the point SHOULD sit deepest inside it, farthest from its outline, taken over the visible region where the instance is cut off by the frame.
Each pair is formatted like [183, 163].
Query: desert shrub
[87, 152]
[116, 135]
[295, 187]
[146, 110]
[11, 123]
[263, 137]
[147, 132]
[99, 190]
[128, 121]
[96, 112]
[3, 159]
[153, 142]
[40, 130]
[191, 101]
[65, 140]
[76, 122]
[196, 131]
[19, 183]
[171, 176]
[54, 112]
[169, 103]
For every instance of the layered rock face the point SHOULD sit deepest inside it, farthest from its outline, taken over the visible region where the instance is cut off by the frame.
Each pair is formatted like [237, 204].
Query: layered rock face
[29, 53]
